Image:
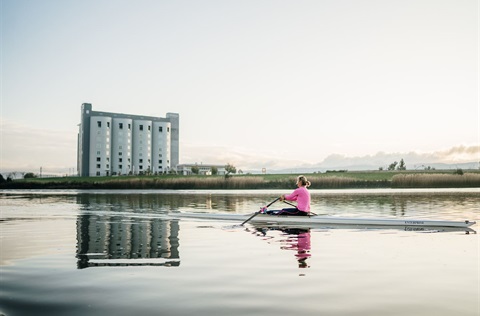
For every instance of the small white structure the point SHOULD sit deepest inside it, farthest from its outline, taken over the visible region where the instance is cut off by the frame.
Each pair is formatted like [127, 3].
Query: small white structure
[186, 169]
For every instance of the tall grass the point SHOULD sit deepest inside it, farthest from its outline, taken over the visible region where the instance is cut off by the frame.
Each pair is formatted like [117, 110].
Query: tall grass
[184, 183]
[238, 183]
[466, 180]
[200, 183]
[346, 180]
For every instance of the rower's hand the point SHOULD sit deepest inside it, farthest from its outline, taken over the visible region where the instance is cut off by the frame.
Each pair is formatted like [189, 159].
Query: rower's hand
[282, 198]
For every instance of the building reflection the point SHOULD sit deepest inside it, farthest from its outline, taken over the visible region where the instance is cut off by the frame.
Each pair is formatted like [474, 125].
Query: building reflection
[126, 241]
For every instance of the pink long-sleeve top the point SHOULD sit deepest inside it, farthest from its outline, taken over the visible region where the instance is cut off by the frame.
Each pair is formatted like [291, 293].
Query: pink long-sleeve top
[302, 196]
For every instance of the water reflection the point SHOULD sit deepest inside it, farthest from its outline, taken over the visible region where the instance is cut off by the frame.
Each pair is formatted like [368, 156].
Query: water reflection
[136, 217]
[293, 239]
[166, 202]
[360, 203]
[404, 204]
[124, 241]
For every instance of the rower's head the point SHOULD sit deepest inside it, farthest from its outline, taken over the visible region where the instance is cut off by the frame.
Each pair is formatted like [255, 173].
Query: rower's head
[303, 182]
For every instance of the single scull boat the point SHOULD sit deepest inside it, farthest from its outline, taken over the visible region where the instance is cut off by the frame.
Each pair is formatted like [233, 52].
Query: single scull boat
[318, 219]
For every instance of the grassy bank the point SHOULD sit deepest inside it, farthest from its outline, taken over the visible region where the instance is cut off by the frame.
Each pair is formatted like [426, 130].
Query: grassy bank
[329, 180]
[465, 180]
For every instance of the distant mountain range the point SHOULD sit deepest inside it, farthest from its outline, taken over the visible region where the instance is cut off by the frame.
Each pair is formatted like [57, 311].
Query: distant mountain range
[463, 157]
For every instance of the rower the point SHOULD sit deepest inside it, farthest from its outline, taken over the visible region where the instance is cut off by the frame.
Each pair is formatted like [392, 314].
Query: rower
[301, 195]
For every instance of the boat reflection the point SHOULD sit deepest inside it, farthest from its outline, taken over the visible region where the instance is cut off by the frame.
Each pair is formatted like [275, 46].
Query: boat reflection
[294, 239]
[298, 238]
[126, 241]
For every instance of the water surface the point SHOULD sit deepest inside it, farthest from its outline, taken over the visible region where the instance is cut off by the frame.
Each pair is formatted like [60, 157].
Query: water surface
[117, 252]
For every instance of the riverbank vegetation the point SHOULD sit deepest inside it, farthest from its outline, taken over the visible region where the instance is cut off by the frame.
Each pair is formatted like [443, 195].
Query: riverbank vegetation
[330, 180]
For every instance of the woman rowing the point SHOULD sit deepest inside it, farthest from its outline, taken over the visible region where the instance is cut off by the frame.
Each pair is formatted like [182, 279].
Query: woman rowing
[301, 195]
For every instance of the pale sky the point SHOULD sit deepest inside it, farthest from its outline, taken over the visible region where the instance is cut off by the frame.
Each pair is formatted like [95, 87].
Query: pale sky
[257, 83]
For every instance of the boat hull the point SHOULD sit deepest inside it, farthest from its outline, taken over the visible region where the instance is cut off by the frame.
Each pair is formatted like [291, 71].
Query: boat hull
[329, 220]
[359, 221]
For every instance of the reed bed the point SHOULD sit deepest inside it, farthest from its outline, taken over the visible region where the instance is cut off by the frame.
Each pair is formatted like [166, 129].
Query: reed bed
[239, 183]
[467, 180]
[319, 181]
[341, 182]
[184, 183]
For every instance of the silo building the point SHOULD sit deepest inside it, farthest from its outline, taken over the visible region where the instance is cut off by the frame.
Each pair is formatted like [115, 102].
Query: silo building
[122, 144]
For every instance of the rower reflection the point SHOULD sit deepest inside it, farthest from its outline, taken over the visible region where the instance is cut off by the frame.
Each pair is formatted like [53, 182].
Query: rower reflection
[120, 241]
[296, 239]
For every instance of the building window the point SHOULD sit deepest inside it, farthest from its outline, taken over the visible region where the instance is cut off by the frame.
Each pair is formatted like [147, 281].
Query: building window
[99, 123]
[119, 153]
[98, 173]
[141, 127]
[108, 124]
[129, 127]
[98, 166]
[119, 159]
[120, 125]
[119, 166]
[160, 129]
[140, 160]
[160, 161]
[148, 127]
[98, 158]
[168, 129]
[108, 166]
[140, 167]
[98, 153]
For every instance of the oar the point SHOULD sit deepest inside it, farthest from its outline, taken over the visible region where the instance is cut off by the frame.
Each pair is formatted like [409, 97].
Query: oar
[256, 213]
[289, 203]
[310, 213]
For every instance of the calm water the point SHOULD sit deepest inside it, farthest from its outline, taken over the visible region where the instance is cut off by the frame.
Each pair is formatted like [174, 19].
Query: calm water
[118, 253]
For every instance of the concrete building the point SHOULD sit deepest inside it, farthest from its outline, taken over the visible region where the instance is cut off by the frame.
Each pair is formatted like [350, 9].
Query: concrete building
[120, 144]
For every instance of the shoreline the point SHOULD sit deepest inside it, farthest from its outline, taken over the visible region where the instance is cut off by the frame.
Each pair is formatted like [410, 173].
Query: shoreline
[324, 192]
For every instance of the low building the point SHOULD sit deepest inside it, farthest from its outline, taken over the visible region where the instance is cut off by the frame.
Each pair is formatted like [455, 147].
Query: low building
[186, 169]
